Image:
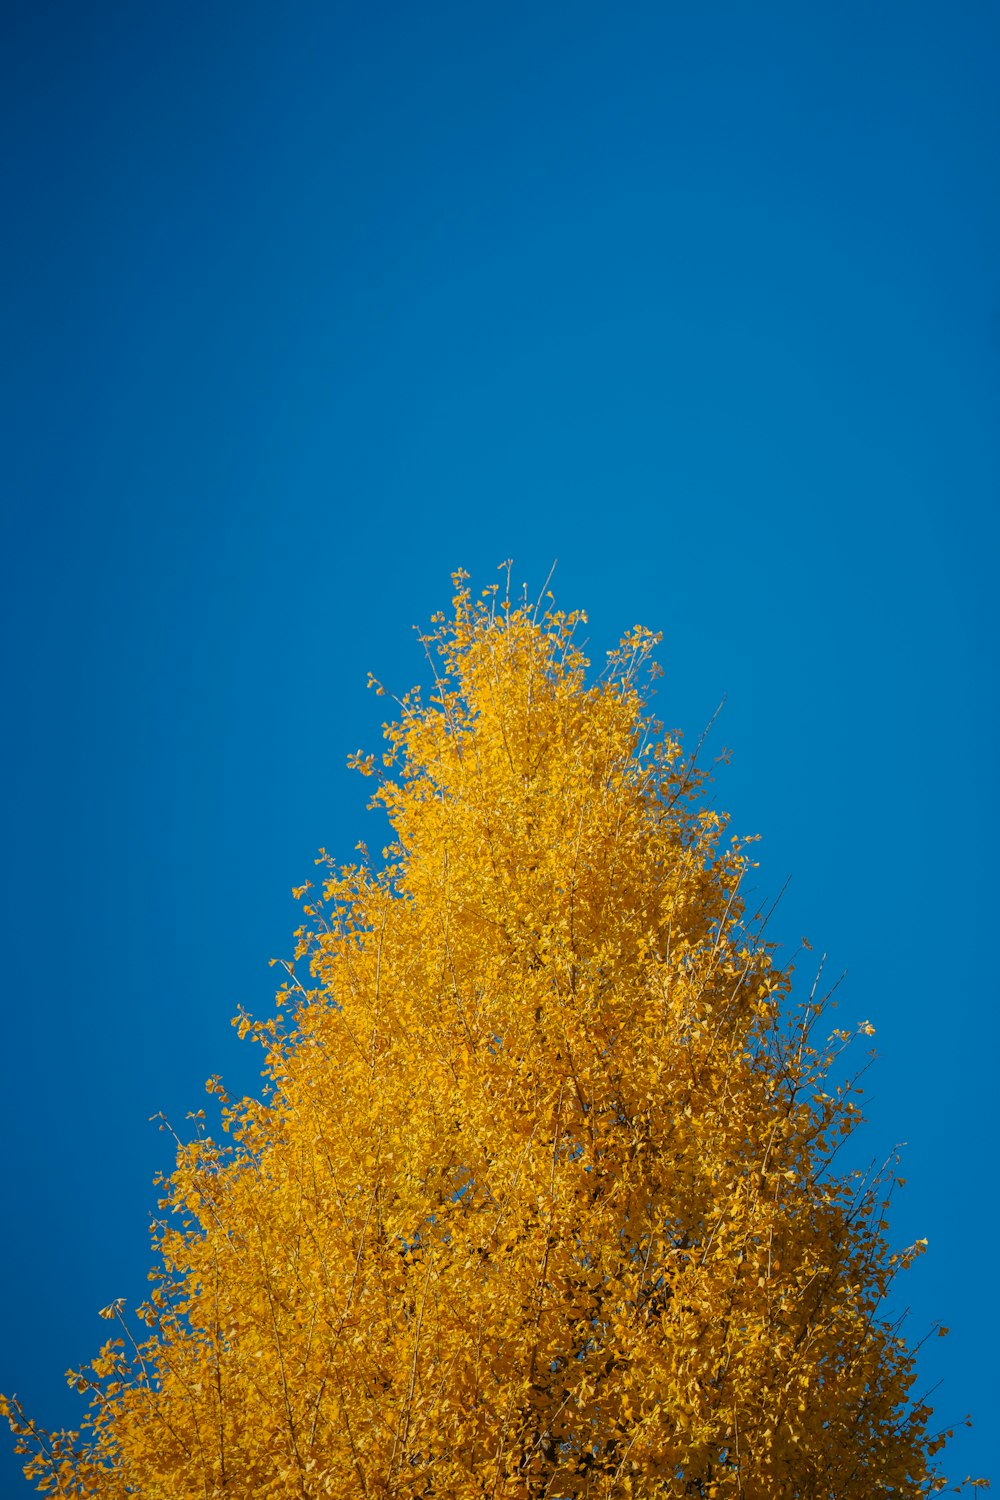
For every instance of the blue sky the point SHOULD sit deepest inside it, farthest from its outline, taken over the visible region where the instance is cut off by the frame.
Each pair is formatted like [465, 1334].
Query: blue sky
[305, 306]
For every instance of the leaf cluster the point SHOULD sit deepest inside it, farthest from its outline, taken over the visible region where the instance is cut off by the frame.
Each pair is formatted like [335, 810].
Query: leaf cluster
[542, 1200]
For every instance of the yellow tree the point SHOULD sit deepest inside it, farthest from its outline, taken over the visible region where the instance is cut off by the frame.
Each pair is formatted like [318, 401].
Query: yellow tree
[542, 1200]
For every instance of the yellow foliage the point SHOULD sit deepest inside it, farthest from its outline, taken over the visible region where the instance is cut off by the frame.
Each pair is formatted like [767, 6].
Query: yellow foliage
[542, 1201]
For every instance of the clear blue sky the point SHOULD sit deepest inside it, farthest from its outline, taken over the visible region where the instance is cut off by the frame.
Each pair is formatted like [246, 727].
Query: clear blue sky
[304, 306]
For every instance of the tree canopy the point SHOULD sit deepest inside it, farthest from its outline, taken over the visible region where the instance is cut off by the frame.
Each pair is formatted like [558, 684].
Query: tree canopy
[541, 1199]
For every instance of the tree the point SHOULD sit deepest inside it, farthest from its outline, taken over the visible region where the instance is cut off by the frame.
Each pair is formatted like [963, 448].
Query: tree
[542, 1198]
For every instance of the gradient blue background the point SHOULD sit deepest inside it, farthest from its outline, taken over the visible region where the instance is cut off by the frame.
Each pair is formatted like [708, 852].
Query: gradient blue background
[306, 305]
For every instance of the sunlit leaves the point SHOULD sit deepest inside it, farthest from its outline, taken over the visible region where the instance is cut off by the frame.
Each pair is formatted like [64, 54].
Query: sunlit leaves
[541, 1199]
